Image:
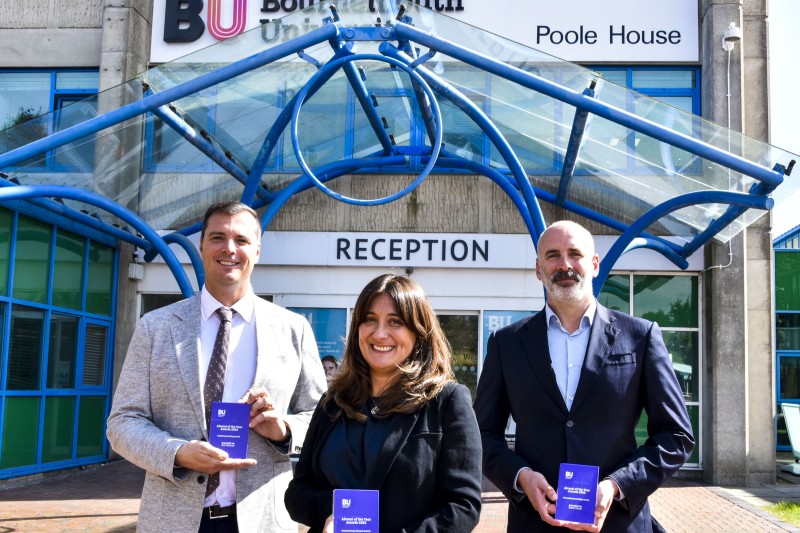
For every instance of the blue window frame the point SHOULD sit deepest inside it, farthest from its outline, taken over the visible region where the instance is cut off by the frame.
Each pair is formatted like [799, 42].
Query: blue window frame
[787, 330]
[62, 98]
[787, 383]
[679, 87]
[57, 307]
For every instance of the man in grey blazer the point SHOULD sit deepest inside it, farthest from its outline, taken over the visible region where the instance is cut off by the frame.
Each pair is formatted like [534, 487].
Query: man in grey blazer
[576, 377]
[158, 420]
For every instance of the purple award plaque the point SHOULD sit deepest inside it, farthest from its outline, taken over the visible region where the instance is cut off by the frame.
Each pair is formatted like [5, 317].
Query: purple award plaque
[577, 493]
[230, 423]
[355, 511]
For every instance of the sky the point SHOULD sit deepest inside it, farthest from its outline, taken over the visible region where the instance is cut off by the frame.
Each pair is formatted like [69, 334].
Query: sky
[784, 67]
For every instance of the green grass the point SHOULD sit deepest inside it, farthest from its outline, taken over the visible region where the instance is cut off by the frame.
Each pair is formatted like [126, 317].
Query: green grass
[786, 511]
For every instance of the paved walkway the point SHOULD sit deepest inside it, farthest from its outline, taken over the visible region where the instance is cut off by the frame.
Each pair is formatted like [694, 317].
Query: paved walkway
[105, 499]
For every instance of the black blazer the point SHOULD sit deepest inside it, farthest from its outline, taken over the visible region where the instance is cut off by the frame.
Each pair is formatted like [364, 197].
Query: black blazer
[626, 369]
[428, 471]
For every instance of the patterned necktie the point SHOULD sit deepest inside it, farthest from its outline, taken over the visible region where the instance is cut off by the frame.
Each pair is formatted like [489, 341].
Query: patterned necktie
[215, 377]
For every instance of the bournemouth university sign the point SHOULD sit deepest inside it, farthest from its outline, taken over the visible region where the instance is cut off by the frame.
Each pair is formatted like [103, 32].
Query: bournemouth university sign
[628, 31]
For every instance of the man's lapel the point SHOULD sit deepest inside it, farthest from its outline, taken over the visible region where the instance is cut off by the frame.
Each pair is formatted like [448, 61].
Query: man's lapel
[537, 352]
[185, 330]
[264, 338]
[601, 339]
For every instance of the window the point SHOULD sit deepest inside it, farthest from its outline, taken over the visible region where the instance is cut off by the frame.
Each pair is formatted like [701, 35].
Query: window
[677, 87]
[234, 112]
[461, 331]
[787, 334]
[673, 302]
[56, 313]
[36, 103]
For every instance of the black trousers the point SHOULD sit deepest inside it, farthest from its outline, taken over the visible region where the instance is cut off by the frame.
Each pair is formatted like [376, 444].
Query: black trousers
[218, 525]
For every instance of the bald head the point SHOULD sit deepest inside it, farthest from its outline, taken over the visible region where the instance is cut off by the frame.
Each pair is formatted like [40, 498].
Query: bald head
[571, 229]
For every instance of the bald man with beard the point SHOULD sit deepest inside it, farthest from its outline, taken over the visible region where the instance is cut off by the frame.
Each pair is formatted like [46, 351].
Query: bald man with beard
[576, 377]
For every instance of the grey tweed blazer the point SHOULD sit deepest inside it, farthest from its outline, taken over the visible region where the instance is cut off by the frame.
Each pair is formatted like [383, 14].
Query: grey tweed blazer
[158, 405]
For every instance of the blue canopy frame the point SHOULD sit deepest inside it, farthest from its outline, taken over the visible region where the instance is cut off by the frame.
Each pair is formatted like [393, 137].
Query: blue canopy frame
[399, 44]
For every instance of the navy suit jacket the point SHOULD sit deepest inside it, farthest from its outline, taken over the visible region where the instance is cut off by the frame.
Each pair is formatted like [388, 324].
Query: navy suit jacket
[626, 369]
[428, 470]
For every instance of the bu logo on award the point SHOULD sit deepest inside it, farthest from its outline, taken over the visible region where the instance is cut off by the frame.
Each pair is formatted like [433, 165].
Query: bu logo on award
[220, 412]
[345, 503]
[568, 474]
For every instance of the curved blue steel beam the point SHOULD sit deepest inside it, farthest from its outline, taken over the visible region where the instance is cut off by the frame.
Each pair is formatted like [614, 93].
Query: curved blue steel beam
[477, 115]
[81, 218]
[731, 214]
[449, 160]
[602, 109]
[177, 123]
[645, 242]
[325, 173]
[601, 218]
[488, 127]
[339, 168]
[149, 103]
[679, 202]
[276, 131]
[190, 249]
[574, 144]
[436, 144]
[123, 213]
[362, 94]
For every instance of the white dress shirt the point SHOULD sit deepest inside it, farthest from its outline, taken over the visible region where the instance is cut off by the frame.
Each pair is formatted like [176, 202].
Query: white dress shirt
[240, 370]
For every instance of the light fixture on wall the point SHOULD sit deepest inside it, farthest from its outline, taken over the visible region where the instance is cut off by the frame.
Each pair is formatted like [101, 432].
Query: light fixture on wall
[731, 36]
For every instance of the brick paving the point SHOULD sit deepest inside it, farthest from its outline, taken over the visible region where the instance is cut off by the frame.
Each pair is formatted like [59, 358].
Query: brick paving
[105, 499]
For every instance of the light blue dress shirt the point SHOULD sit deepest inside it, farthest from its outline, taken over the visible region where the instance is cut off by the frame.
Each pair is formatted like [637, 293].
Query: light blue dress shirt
[568, 350]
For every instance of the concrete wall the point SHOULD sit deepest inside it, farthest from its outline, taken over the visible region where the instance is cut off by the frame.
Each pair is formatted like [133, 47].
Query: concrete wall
[125, 52]
[739, 407]
[51, 33]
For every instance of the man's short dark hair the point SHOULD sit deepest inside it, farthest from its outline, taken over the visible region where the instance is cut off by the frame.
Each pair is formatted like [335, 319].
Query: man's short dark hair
[230, 207]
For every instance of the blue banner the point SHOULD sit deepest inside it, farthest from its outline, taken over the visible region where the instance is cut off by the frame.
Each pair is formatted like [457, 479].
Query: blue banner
[329, 327]
[494, 320]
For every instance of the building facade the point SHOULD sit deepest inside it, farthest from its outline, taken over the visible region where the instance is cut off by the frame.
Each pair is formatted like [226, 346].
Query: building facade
[457, 234]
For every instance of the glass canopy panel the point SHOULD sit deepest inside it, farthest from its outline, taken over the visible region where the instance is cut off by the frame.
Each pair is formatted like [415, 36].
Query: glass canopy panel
[624, 161]
[619, 173]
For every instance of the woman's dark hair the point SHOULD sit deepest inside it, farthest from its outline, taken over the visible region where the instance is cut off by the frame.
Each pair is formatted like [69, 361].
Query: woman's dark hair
[419, 378]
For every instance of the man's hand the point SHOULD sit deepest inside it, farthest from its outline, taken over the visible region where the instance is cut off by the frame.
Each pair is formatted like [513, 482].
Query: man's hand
[540, 494]
[607, 490]
[328, 527]
[264, 419]
[200, 456]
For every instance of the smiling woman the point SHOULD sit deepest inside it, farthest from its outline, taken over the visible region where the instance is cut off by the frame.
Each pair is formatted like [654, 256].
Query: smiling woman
[395, 420]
